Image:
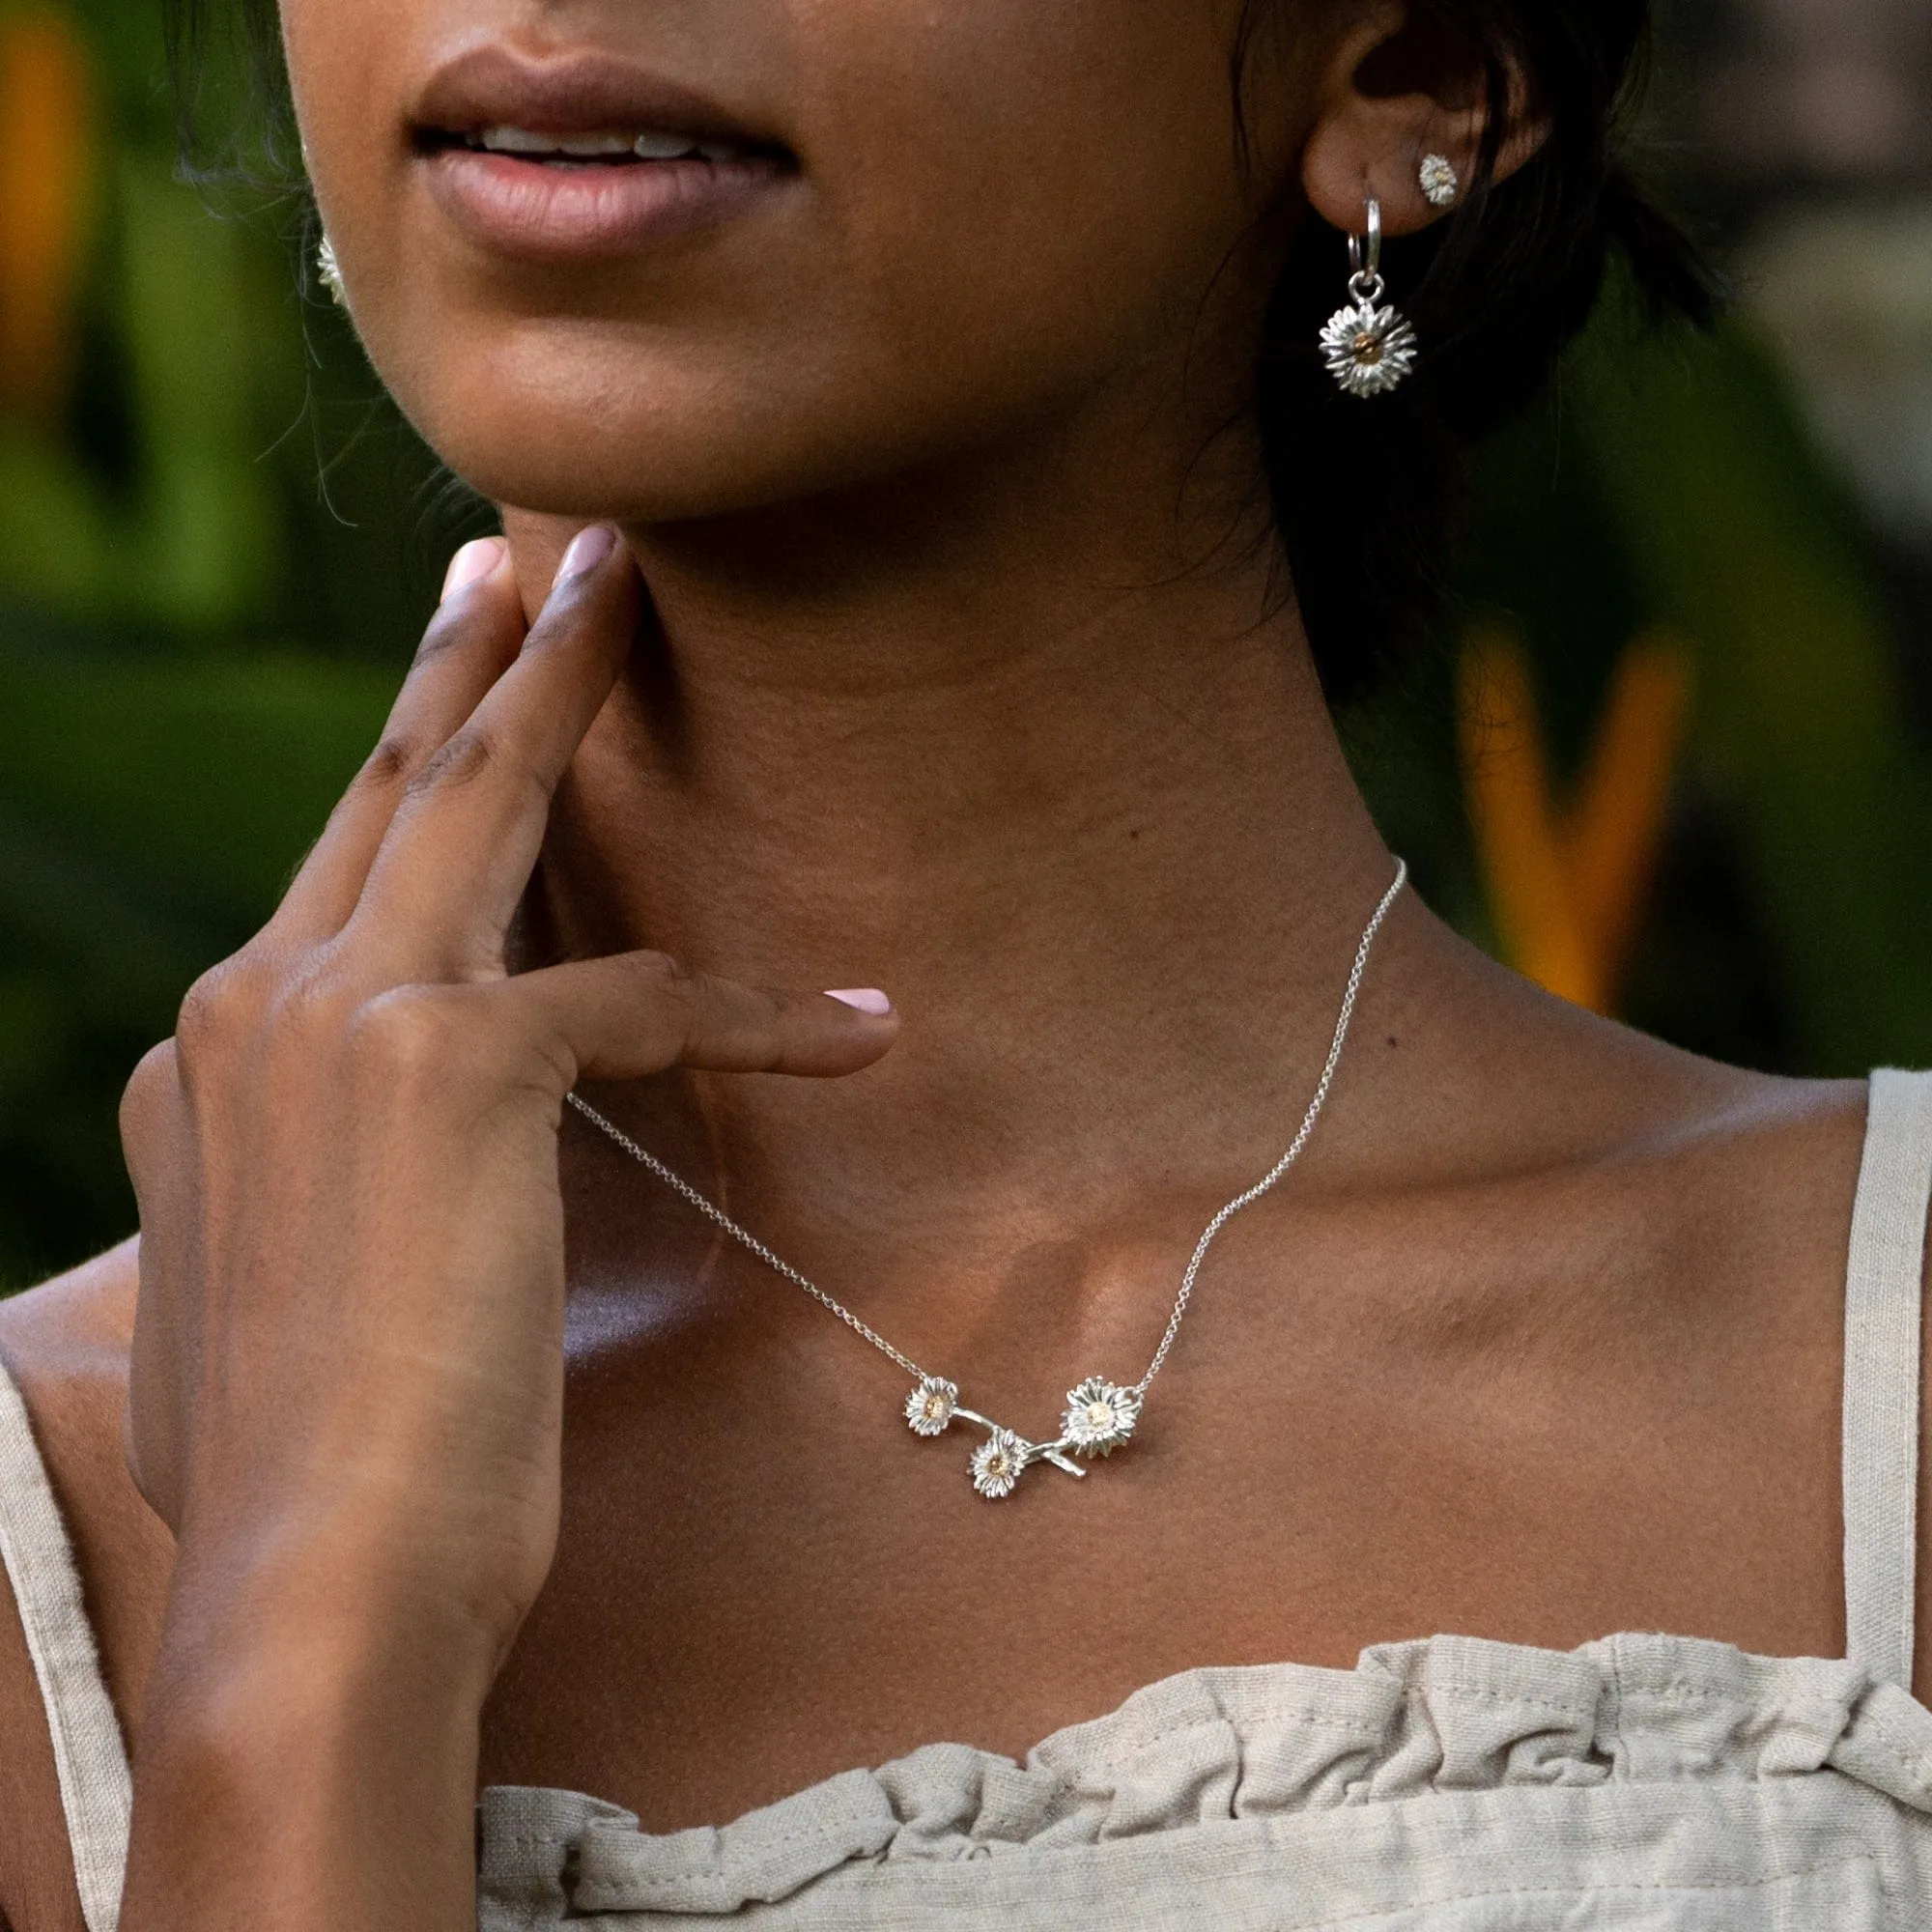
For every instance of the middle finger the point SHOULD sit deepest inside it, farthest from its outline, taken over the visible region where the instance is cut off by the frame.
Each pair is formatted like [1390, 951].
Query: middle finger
[459, 852]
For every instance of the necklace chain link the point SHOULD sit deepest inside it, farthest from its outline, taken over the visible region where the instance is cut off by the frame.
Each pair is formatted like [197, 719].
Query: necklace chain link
[1027, 1451]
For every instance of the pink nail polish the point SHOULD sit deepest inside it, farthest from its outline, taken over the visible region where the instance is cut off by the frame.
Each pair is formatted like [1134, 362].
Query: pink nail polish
[868, 1000]
[588, 550]
[473, 563]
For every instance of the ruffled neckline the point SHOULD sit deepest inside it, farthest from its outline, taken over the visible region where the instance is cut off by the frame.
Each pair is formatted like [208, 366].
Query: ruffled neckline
[1212, 1745]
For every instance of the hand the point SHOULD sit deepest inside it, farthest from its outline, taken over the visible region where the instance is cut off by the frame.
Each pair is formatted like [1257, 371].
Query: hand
[347, 1385]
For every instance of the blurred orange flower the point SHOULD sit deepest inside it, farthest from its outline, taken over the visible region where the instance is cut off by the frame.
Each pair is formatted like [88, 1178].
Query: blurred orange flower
[46, 202]
[1568, 883]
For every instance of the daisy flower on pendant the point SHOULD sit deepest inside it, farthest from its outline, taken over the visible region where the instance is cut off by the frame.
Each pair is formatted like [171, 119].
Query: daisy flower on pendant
[997, 1464]
[928, 1409]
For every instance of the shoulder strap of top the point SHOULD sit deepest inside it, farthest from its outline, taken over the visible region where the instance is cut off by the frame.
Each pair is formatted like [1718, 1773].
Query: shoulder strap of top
[92, 1762]
[1884, 1289]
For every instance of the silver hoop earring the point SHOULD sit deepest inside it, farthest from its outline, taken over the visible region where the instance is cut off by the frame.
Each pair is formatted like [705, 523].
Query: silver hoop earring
[1439, 180]
[328, 271]
[1368, 349]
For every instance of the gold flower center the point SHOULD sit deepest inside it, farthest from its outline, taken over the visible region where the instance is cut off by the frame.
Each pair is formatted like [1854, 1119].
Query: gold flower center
[1099, 1414]
[1368, 347]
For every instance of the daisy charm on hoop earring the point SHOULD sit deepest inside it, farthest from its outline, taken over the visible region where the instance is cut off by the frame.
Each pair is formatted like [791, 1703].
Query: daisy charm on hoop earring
[1369, 349]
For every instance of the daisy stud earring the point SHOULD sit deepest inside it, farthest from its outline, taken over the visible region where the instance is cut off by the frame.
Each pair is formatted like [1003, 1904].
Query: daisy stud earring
[1436, 177]
[328, 271]
[1368, 345]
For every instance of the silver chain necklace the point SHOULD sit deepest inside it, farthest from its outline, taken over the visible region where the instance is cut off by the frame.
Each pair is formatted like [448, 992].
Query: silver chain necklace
[1100, 1416]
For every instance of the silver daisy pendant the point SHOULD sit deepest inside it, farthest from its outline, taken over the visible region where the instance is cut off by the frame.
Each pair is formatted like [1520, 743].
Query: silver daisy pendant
[1099, 1417]
[1368, 349]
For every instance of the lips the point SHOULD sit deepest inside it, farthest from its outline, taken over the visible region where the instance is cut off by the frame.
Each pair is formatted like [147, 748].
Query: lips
[585, 154]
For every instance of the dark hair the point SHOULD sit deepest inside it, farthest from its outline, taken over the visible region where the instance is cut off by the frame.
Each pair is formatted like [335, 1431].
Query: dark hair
[1367, 494]
[213, 42]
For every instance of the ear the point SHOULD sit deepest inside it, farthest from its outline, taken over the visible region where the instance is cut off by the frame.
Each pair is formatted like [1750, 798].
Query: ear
[1397, 87]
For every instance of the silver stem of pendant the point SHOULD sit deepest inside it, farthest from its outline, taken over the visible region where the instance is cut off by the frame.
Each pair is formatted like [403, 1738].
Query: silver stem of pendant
[1035, 1452]
[1049, 1452]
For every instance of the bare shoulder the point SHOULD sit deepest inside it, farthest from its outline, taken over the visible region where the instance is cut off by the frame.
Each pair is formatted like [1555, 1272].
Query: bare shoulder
[1639, 1200]
[1730, 1190]
[1805, 1153]
[1500, 1086]
[74, 1332]
[66, 1346]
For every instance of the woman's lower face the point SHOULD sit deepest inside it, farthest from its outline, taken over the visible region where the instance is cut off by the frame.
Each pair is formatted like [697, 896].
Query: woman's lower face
[685, 259]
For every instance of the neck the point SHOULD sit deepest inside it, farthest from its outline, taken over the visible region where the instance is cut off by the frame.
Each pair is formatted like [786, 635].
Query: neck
[1060, 782]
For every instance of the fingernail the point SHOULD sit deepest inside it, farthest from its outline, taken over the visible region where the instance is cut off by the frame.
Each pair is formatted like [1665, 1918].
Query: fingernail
[867, 999]
[473, 563]
[588, 550]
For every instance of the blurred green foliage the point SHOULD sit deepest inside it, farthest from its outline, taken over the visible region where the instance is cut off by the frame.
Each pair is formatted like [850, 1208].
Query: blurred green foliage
[1667, 480]
[150, 807]
[213, 563]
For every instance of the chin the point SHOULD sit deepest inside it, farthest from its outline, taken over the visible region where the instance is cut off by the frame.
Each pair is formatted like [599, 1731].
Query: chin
[642, 473]
[564, 466]
[640, 438]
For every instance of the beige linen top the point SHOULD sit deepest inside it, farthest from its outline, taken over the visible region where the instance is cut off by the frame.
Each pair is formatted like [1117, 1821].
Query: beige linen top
[1642, 1784]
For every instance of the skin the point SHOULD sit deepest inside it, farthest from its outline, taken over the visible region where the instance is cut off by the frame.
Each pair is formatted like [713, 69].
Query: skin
[936, 655]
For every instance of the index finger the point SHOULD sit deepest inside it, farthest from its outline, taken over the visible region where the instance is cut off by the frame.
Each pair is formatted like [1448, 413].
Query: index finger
[459, 852]
[470, 643]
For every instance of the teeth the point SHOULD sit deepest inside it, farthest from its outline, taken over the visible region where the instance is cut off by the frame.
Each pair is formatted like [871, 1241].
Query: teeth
[660, 147]
[651, 146]
[579, 147]
[514, 141]
[589, 147]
